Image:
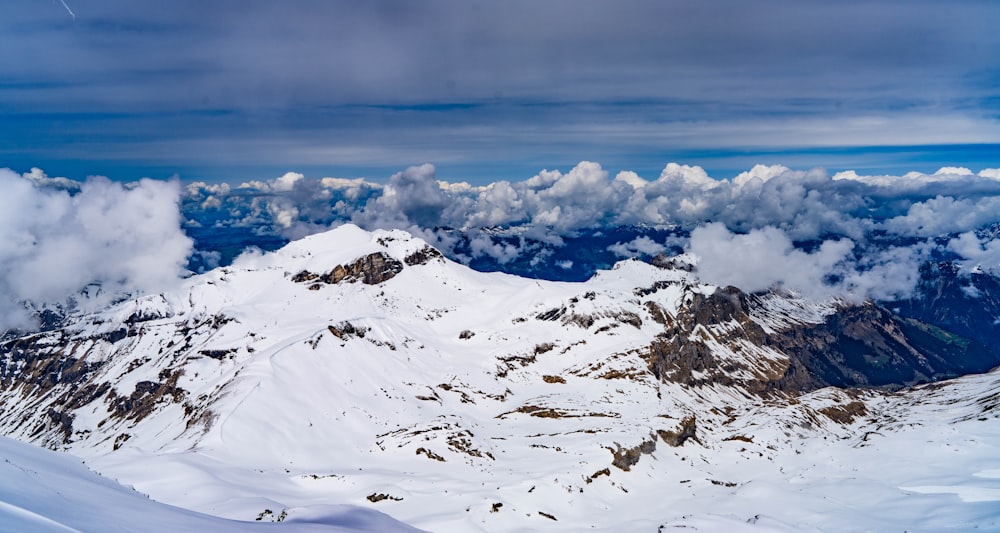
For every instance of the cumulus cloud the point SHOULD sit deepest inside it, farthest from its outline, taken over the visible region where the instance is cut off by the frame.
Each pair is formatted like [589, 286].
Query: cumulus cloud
[412, 197]
[41, 179]
[510, 222]
[290, 206]
[992, 173]
[944, 215]
[848, 234]
[766, 258]
[502, 252]
[54, 244]
[885, 274]
[807, 204]
[981, 254]
[642, 245]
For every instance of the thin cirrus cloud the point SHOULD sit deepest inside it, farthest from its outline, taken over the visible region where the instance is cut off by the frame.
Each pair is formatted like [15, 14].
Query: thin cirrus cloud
[489, 89]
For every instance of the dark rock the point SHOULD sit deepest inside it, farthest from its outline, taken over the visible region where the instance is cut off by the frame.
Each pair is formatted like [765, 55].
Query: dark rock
[845, 414]
[304, 276]
[671, 263]
[64, 422]
[346, 330]
[687, 430]
[371, 269]
[626, 458]
[422, 256]
[859, 345]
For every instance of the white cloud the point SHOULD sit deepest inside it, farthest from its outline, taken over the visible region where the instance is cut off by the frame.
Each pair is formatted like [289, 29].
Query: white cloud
[497, 204]
[945, 214]
[639, 246]
[503, 252]
[772, 203]
[953, 171]
[41, 179]
[631, 178]
[984, 254]
[53, 245]
[890, 274]
[286, 182]
[582, 198]
[412, 197]
[760, 172]
[766, 258]
[993, 173]
[687, 176]
[806, 204]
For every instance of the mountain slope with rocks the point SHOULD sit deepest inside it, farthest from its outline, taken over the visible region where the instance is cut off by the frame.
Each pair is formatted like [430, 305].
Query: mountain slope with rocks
[364, 368]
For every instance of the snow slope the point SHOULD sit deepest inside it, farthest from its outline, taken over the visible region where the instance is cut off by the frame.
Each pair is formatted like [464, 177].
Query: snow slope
[455, 400]
[42, 491]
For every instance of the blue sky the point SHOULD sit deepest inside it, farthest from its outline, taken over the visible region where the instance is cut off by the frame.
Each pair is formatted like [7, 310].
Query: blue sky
[495, 90]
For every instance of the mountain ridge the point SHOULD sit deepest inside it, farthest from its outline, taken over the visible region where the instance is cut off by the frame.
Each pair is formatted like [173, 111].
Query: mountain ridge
[293, 377]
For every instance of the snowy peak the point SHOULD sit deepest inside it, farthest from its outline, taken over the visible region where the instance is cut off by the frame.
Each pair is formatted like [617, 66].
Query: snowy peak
[346, 244]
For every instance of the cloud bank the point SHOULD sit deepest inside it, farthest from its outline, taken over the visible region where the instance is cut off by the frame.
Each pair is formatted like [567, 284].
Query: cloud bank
[54, 244]
[846, 234]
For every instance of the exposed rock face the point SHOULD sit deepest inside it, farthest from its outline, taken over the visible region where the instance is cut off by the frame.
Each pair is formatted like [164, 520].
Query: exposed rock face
[626, 458]
[962, 302]
[60, 371]
[685, 354]
[867, 345]
[671, 263]
[422, 256]
[859, 345]
[371, 269]
[688, 430]
[31, 368]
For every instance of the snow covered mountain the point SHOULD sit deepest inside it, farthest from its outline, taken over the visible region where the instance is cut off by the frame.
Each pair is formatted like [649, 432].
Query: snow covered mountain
[364, 368]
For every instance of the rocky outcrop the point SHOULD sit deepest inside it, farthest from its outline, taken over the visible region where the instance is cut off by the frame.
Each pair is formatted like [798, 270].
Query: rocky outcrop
[687, 430]
[58, 372]
[422, 256]
[687, 350]
[671, 263]
[371, 269]
[626, 458]
[963, 302]
[714, 340]
[868, 345]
